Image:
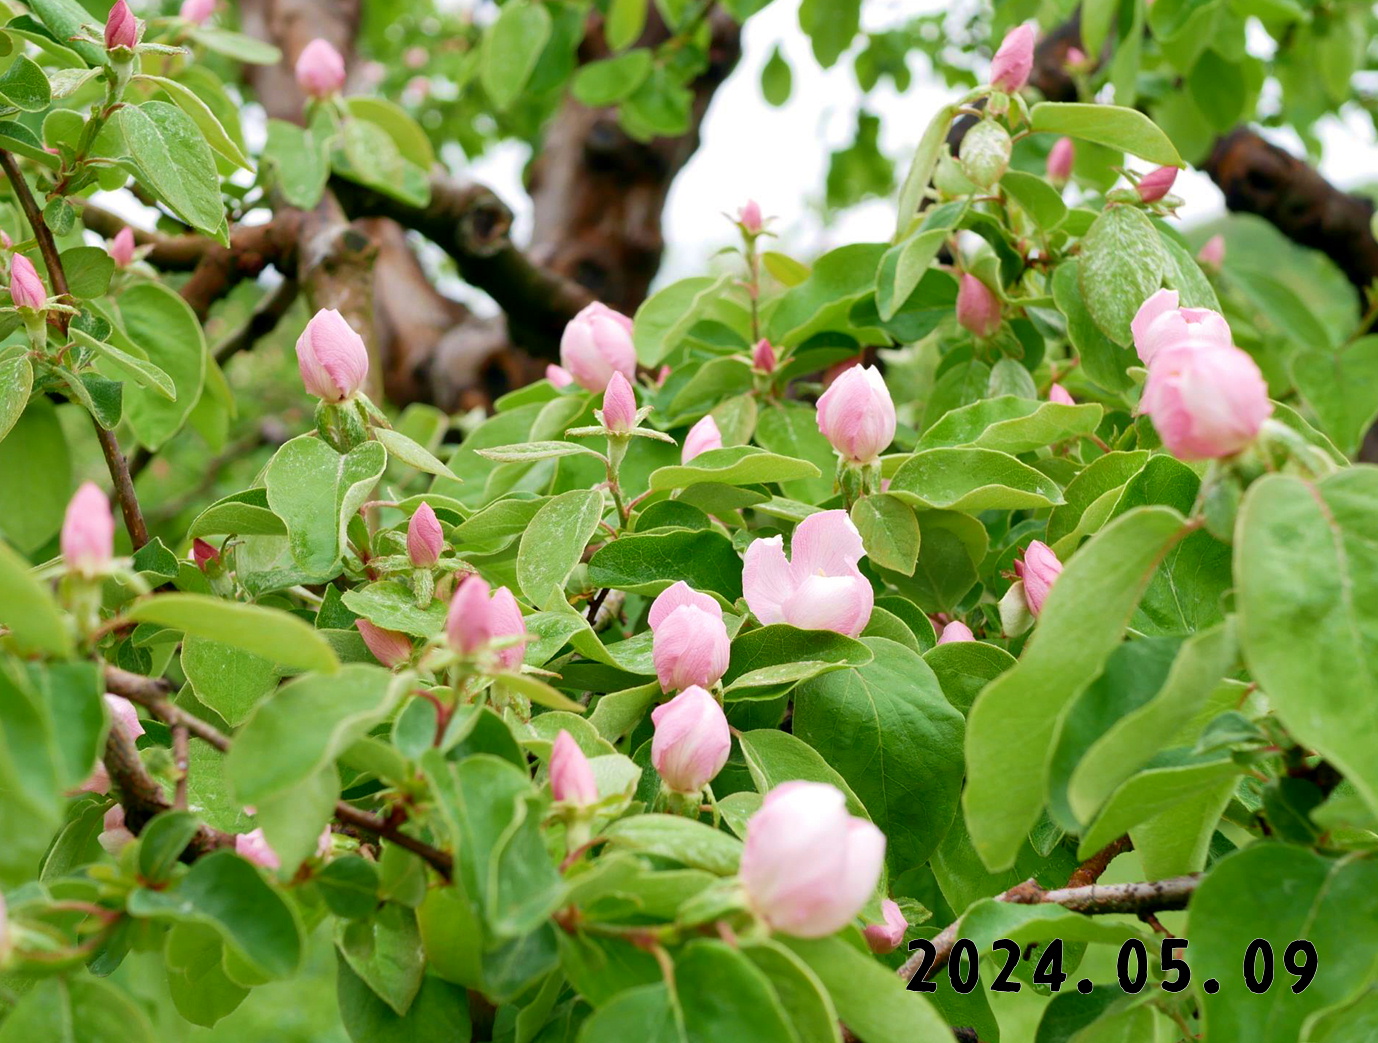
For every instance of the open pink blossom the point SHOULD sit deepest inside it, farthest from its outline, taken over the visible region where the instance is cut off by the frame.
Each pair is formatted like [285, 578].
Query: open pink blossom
[596, 344]
[857, 416]
[320, 69]
[691, 740]
[1160, 324]
[1205, 403]
[689, 641]
[808, 866]
[885, 937]
[1038, 569]
[571, 775]
[88, 532]
[331, 357]
[819, 587]
[122, 713]
[702, 437]
[1010, 68]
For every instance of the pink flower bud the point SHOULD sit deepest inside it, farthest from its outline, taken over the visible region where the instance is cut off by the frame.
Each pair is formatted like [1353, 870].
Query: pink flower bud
[26, 288]
[1160, 325]
[558, 376]
[702, 437]
[203, 554]
[571, 775]
[196, 11]
[1010, 68]
[749, 217]
[1205, 402]
[5, 241]
[332, 358]
[596, 344]
[857, 415]
[619, 405]
[763, 356]
[1060, 159]
[88, 532]
[389, 647]
[115, 835]
[123, 713]
[808, 866]
[1038, 569]
[121, 27]
[1076, 56]
[122, 247]
[425, 541]
[477, 618]
[885, 937]
[320, 69]
[690, 645]
[1057, 393]
[820, 587]
[956, 631]
[1212, 254]
[691, 739]
[978, 310]
[1156, 184]
[254, 847]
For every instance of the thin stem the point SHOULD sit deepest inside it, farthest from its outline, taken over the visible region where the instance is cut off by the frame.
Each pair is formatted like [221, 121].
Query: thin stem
[181, 758]
[118, 467]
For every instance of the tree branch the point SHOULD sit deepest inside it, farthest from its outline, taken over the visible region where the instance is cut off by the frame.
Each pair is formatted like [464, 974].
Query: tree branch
[1143, 897]
[1090, 871]
[152, 694]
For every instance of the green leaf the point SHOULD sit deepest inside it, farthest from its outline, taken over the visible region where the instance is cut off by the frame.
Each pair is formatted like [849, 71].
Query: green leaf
[734, 465]
[79, 1009]
[239, 514]
[685, 841]
[1011, 424]
[889, 531]
[16, 381]
[27, 608]
[88, 270]
[409, 452]
[162, 841]
[1014, 721]
[665, 318]
[732, 997]
[316, 492]
[300, 159]
[1341, 388]
[411, 140]
[227, 893]
[174, 161]
[538, 692]
[871, 1000]
[806, 1002]
[830, 25]
[626, 20]
[1331, 903]
[1103, 475]
[646, 1012]
[1114, 126]
[791, 429]
[1103, 361]
[190, 103]
[773, 757]
[1305, 556]
[529, 452]
[201, 990]
[1122, 265]
[268, 632]
[227, 679]
[824, 300]
[903, 265]
[648, 563]
[921, 167]
[64, 18]
[25, 86]
[304, 727]
[972, 480]
[1040, 200]
[889, 731]
[511, 48]
[238, 46]
[1219, 88]
[610, 80]
[963, 668]
[554, 543]
[126, 366]
[772, 655]
[777, 80]
[35, 477]
[385, 952]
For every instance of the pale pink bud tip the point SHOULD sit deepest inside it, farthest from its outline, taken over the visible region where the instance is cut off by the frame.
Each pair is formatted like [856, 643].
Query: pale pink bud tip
[331, 357]
[1076, 56]
[691, 739]
[88, 532]
[1160, 325]
[121, 27]
[1059, 394]
[26, 288]
[1060, 159]
[857, 416]
[254, 847]
[571, 775]
[115, 835]
[690, 645]
[763, 356]
[203, 554]
[478, 617]
[956, 631]
[749, 217]
[388, 646]
[1010, 68]
[885, 937]
[619, 405]
[1038, 569]
[978, 310]
[125, 714]
[820, 586]
[558, 376]
[1156, 184]
[702, 437]
[425, 541]
[196, 11]
[808, 866]
[596, 344]
[320, 69]
[5, 240]
[1212, 254]
[122, 247]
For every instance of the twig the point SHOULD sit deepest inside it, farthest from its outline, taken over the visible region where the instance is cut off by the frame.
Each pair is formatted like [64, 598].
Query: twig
[118, 467]
[1149, 896]
[1090, 871]
[181, 759]
[152, 693]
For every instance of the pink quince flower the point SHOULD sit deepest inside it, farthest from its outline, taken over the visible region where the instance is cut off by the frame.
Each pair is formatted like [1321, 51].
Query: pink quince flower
[26, 288]
[596, 344]
[1160, 324]
[389, 647]
[857, 416]
[88, 532]
[819, 587]
[702, 437]
[691, 740]
[978, 310]
[1010, 68]
[954, 632]
[883, 938]
[619, 405]
[571, 775]
[1156, 184]
[1060, 159]
[121, 27]
[425, 540]
[320, 69]
[478, 616]
[122, 247]
[331, 357]
[1038, 569]
[689, 641]
[1059, 394]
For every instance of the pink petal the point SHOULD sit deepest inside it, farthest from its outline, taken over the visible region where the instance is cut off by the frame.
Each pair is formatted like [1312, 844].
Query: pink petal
[767, 579]
[825, 544]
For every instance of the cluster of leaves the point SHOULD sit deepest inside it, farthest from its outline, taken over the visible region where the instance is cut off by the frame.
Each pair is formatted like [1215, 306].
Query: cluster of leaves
[1171, 689]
